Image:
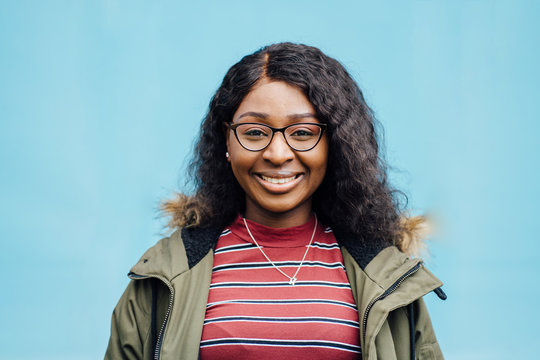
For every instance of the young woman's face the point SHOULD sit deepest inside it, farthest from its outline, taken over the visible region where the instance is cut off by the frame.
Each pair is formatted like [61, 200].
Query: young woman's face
[279, 181]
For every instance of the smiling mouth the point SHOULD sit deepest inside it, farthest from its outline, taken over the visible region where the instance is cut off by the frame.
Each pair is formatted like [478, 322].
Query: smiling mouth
[278, 184]
[278, 180]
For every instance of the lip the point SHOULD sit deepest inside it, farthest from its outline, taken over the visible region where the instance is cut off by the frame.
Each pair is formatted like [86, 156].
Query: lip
[278, 188]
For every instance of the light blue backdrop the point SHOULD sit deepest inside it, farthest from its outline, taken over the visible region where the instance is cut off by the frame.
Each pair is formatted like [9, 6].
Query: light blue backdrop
[100, 101]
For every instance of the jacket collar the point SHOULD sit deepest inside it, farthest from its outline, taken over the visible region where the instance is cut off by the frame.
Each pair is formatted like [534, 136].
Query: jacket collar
[198, 241]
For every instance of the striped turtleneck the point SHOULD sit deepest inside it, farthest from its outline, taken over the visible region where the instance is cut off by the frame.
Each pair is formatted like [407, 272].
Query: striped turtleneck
[253, 311]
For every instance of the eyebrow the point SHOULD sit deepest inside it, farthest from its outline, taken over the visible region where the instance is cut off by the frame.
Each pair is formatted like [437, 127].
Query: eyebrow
[301, 116]
[265, 116]
[253, 114]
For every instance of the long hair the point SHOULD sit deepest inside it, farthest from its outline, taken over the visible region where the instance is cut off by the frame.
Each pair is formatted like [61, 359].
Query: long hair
[354, 197]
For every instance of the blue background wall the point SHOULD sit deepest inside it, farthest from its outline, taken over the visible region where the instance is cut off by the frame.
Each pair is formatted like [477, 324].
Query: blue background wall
[100, 102]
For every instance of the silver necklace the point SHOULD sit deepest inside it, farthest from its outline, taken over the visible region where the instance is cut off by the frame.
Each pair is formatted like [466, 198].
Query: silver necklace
[292, 280]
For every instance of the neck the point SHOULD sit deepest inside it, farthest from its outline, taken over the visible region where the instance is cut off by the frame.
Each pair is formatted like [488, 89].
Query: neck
[293, 217]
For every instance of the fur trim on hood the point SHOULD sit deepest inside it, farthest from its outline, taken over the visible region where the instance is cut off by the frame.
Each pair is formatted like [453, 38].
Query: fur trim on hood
[414, 231]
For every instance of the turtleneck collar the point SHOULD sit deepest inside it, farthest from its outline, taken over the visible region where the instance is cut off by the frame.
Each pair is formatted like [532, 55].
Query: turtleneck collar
[296, 236]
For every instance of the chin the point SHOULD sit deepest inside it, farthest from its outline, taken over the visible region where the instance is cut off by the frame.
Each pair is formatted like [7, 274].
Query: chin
[281, 207]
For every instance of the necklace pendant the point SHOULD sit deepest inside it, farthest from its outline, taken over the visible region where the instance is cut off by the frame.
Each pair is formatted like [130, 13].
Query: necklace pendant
[292, 281]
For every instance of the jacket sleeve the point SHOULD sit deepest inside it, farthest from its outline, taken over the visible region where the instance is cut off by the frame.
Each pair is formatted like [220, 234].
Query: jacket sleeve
[130, 325]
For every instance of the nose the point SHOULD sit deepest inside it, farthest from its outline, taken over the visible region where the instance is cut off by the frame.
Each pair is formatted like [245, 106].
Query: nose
[278, 151]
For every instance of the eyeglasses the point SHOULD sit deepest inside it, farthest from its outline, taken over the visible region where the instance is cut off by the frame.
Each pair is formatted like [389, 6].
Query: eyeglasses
[257, 136]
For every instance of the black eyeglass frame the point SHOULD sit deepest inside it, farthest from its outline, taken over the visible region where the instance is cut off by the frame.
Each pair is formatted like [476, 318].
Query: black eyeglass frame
[274, 130]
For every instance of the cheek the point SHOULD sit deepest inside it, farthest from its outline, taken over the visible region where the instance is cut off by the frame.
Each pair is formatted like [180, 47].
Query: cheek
[319, 171]
[318, 162]
[242, 162]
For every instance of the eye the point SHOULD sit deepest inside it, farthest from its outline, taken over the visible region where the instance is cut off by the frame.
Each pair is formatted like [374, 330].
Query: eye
[303, 132]
[254, 133]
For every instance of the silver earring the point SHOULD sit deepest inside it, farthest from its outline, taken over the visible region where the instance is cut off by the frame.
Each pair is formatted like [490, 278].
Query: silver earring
[227, 154]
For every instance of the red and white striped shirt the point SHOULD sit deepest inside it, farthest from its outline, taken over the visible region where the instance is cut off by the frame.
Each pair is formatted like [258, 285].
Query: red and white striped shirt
[253, 311]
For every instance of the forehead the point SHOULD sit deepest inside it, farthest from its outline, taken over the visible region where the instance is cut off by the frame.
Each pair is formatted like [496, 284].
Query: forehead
[278, 100]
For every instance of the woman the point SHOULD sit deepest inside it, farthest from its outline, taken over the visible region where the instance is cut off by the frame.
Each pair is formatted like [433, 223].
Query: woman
[292, 244]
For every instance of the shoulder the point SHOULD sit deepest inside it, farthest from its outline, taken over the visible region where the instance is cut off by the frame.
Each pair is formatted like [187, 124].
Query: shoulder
[166, 259]
[390, 266]
[176, 253]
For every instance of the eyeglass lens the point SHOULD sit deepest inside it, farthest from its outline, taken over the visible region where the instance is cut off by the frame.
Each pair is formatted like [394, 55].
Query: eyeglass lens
[299, 136]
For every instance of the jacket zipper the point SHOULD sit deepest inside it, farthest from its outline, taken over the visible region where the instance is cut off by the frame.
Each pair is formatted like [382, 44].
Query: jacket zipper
[390, 290]
[157, 352]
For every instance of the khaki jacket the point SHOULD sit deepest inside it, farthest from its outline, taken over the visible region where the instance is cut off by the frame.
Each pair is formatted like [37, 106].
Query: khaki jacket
[161, 313]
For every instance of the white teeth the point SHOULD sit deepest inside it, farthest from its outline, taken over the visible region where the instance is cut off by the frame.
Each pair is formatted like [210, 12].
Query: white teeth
[278, 180]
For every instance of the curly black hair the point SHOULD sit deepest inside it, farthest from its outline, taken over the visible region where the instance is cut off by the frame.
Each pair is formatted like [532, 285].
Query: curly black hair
[354, 197]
